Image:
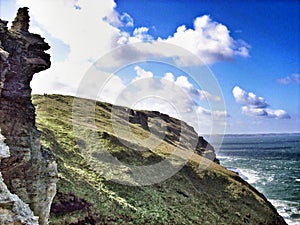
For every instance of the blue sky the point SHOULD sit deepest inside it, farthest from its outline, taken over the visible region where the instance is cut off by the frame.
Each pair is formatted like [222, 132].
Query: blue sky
[250, 47]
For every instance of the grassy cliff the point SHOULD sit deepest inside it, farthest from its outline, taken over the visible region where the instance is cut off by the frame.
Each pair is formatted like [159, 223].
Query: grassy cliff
[202, 192]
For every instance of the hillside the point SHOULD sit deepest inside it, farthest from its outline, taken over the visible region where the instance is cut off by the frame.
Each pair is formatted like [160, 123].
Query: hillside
[91, 189]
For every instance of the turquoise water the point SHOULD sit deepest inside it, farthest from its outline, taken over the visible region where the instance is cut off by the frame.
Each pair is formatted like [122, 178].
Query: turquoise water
[270, 163]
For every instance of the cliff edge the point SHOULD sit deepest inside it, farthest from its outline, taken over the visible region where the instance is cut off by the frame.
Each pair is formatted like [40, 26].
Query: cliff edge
[88, 191]
[29, 170]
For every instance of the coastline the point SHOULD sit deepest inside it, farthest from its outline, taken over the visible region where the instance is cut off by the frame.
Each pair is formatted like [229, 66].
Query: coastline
[237, 153]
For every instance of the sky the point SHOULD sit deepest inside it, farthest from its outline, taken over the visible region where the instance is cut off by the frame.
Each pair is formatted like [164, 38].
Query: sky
[222, 66]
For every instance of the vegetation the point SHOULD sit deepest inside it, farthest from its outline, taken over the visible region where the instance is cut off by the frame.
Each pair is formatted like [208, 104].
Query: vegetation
[202, 192]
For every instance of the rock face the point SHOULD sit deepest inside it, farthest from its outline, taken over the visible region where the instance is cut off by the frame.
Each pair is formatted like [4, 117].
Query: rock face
[12, 209]
[30, 171]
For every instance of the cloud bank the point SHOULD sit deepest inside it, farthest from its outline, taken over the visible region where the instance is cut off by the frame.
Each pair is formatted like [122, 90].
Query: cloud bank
[91, 29]
[256, 106]
[208, 39]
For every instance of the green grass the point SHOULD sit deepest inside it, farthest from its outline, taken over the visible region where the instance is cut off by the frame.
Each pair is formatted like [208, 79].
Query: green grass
[87, 196]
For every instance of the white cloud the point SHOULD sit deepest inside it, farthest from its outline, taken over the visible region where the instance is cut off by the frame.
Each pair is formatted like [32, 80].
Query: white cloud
[140, 34]
[173, 96]
[142, 74]
[216, 113]
[112, 89]
[250, 98]
[113, 19]
[117, 20]
[182, 81]
[209, 120]
[146, 92]
[80, 25]
[127, 20]
[168, 77]
[83, 30]
[294, 78]
[206, 95]
[209, 40]
[256, 106]
[278, 114]
[269, 113]
[253, 111]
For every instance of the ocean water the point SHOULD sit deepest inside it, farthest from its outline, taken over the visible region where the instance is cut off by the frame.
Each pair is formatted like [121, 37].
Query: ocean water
[270, 163]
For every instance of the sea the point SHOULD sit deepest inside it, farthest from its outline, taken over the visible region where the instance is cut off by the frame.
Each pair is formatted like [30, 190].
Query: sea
[270, 163]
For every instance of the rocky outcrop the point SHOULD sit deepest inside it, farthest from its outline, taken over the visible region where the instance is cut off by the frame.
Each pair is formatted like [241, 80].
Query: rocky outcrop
[30, 171]
[12, 209]
[176, 131]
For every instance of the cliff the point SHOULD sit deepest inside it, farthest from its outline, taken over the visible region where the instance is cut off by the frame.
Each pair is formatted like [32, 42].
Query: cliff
[29, 170]
[91, 186]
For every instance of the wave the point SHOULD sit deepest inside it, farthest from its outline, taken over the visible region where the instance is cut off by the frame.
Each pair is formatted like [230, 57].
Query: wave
[223, 157]
[251, 175]
[225, 160]
[271, 165]
[289, 210]
[243, 148]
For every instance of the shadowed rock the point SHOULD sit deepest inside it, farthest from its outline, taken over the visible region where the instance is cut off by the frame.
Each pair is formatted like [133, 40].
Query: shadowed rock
[30, 171]
[12, 209]
[21, 22]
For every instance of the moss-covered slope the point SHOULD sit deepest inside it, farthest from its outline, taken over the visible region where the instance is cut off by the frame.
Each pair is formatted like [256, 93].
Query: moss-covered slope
[202, 192]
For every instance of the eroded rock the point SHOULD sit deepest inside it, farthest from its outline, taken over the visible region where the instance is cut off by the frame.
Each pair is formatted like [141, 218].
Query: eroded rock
[30, 171]
[12, 209]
